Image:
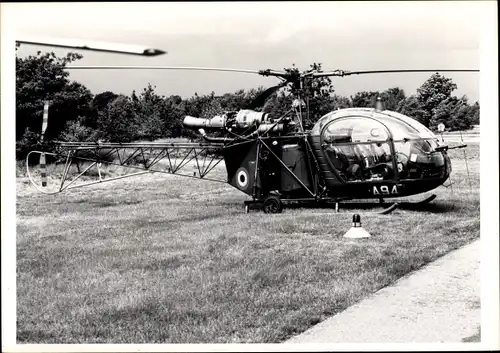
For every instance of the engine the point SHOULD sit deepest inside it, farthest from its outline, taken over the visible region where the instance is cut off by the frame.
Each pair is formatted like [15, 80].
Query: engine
[249, 120]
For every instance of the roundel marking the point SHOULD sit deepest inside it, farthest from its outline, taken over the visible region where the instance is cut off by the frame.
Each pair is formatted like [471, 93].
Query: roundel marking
[242, 178]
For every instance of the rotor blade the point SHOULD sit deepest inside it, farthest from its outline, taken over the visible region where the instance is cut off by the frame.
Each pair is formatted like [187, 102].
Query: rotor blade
[98, 67]
[261, 98]
[45, 118]
[342, 73]
[93, 46]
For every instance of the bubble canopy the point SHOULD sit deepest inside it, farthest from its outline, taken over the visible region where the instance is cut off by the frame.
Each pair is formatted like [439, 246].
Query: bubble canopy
[367, 125]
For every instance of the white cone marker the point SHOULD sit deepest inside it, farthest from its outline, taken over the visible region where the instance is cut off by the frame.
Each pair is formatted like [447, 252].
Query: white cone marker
[356, 230]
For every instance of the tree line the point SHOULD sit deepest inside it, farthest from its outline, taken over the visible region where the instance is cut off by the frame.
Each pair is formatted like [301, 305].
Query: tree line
[76, 114]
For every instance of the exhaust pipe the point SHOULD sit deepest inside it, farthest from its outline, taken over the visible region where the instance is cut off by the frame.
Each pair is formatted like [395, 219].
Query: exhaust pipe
[214, 139]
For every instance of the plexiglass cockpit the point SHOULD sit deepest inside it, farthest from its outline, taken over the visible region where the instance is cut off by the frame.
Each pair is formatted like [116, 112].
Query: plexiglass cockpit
[362, 144]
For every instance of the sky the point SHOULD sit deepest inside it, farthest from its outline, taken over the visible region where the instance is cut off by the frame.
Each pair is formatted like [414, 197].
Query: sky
[259, 35]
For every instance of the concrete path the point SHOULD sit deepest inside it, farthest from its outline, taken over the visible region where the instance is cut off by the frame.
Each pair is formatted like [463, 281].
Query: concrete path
[439, 303]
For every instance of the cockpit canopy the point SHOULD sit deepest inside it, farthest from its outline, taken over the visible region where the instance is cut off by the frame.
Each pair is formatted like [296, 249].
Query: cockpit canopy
[367, 125]
[366, 145]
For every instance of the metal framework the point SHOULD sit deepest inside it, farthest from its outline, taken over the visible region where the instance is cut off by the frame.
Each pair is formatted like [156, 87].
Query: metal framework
[169, 158]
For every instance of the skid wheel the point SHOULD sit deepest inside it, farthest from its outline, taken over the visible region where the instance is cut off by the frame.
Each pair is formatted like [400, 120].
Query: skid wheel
[246, 208]
[272, 204]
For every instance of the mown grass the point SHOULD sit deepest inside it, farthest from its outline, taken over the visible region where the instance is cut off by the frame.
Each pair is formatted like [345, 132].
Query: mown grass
[162, 259]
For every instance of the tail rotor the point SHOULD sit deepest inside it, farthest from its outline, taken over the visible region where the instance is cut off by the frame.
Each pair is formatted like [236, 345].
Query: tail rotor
[43, 162]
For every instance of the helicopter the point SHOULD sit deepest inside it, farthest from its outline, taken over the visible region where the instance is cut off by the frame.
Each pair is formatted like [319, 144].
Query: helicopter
[348, 154]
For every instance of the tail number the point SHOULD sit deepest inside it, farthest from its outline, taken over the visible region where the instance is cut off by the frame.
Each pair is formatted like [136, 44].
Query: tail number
[384, 190]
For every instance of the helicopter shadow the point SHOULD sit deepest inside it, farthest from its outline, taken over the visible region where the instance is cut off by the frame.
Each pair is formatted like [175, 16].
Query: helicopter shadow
[435, 207]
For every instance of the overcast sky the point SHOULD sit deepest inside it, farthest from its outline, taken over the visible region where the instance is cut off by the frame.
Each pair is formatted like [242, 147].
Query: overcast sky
[340, 35]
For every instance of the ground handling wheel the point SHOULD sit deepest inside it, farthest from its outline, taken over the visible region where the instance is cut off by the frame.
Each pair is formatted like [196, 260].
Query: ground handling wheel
[272, 204]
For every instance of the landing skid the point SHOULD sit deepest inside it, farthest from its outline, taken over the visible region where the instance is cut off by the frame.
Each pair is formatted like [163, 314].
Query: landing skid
[278, 209]
[388, 209]
[393, 206]
[418, 203]
[385, 211]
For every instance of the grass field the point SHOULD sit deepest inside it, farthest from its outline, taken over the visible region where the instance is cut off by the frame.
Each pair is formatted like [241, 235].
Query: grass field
[164, 259]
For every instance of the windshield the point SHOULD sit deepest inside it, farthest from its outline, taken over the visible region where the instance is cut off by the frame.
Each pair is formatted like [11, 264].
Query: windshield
[354, 129]
[400, 126]
[420, 128]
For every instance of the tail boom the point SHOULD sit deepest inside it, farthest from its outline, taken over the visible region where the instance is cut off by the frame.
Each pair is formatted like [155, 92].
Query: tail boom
[195, 160]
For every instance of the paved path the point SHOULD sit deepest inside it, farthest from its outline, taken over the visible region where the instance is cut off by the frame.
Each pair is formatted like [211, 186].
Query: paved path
[439, 303]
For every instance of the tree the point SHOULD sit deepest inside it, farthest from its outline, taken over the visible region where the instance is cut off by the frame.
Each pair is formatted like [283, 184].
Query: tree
[101, 100]
[319, 86]
[239, 99]
[98, 104]
[151, 113]
[392, 98]
[365, 99]
[77, 131]
[212, 108]
[436, 90]
[119, 122]
[455, 114]
[195, 104]
[474, 112]
[278, 104]
[411, 107]
[319, 95]
[341, 102]
[176, 108]
[31, 141]
[42, 77]
[320, 106]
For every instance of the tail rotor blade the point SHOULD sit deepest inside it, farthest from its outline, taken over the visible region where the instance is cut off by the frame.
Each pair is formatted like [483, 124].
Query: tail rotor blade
[45, 118]
[43, 169]
[43, 163]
